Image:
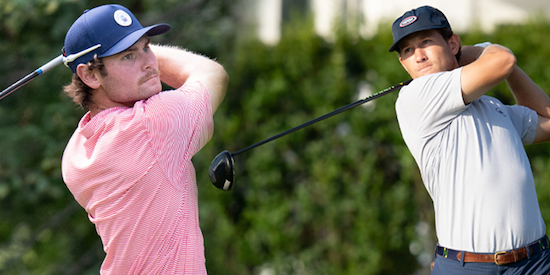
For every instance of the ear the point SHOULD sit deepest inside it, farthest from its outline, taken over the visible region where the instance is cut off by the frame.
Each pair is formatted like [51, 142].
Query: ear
[454, 43]
[89, 77]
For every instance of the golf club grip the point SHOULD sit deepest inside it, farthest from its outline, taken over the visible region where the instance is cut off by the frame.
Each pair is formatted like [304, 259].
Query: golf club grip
[325, 116]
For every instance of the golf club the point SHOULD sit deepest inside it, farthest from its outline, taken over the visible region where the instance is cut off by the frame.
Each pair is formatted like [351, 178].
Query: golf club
[44, 68]
[221, 170]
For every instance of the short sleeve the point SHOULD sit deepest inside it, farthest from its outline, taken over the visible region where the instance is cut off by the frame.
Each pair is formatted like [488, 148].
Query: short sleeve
[525, 121]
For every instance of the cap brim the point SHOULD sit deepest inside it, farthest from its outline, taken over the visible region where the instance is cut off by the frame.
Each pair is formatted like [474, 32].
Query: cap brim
[394, 46]
[131, 39]
[396, 43]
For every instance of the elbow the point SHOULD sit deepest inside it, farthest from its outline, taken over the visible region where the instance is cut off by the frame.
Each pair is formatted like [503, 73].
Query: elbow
[502, 59]
[224, 79]
[225, 76]
[508, 60]
[220, 81]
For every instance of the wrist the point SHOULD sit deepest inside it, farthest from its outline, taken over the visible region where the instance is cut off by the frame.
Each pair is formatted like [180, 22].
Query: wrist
[484, 44]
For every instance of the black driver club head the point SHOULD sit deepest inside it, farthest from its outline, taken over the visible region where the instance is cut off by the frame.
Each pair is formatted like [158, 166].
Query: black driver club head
[221, 171]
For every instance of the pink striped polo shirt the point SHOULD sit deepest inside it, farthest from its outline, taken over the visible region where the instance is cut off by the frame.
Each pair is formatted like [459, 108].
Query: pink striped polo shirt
[131, 169]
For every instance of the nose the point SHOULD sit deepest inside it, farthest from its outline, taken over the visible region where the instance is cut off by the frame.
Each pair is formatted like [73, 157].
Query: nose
[149, 60]
[420, 55]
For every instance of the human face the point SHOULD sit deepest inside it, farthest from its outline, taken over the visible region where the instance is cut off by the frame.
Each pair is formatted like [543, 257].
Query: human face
[132, 75]
[427, 52]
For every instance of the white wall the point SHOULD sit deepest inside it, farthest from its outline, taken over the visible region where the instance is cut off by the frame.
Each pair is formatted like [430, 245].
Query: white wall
[269, 15]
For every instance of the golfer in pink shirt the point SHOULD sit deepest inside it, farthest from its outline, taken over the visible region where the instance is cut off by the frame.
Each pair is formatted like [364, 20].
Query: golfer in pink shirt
[128, 164]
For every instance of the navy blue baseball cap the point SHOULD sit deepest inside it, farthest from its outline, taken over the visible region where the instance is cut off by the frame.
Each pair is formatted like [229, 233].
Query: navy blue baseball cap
[114, 27]
[420, 19]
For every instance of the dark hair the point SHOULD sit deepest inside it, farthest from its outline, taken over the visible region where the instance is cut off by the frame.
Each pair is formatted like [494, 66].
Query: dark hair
[78, 90]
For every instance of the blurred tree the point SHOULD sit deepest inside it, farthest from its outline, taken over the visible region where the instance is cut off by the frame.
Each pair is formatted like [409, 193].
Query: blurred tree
[328, 199]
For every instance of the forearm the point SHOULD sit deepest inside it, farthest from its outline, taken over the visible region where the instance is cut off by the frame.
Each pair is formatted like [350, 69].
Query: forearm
[528, 93]
[492, 66]
[177, 66]
[525, 91]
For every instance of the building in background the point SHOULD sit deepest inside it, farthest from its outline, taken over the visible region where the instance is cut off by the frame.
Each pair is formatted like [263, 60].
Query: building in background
[368, 14]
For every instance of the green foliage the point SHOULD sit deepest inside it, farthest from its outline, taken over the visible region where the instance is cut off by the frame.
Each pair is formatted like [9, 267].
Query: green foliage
[42, 229]
[342, 196]
[339, 197]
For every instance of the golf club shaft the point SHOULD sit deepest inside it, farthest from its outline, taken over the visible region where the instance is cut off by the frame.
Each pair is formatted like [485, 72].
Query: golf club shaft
[325, 116]
[20, 83]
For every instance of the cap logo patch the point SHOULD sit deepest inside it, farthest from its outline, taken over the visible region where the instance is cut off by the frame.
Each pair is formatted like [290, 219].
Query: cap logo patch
[122, 18]
[407, 21]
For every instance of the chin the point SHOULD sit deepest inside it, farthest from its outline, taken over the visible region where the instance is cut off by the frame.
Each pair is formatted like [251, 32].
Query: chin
[155, 89]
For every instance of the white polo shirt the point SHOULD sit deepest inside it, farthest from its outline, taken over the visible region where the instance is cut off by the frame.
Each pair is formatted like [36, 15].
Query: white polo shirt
[473, 164]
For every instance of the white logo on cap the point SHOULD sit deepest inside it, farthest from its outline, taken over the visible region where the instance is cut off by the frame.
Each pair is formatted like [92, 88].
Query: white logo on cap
[122, 18]
[407, 21]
